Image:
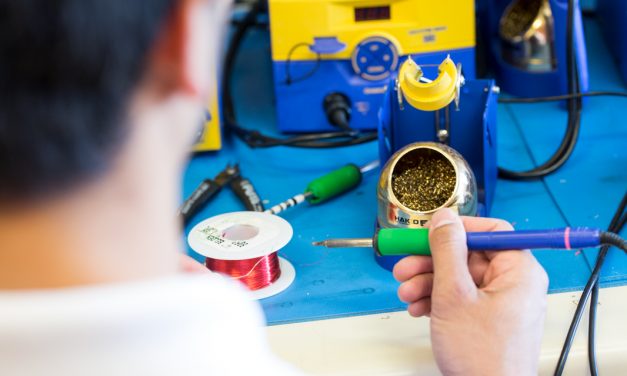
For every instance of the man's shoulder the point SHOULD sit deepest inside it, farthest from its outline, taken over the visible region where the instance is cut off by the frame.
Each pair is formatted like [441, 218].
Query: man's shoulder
[184, 324]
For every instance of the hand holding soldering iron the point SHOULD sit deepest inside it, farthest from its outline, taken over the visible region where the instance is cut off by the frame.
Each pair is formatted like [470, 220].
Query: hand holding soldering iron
[487, 308]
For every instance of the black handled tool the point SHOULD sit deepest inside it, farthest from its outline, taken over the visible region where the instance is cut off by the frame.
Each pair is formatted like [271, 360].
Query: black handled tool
[242, 187]
[246, 193]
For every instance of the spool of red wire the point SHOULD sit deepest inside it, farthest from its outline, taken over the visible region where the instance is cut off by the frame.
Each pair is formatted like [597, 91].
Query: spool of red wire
[244, 246]
[255, 273]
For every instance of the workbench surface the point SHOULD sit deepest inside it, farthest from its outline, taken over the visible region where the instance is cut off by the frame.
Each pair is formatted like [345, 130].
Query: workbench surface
[341, 283]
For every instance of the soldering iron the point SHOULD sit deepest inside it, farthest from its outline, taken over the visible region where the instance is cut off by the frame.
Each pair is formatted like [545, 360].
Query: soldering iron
[415, 241]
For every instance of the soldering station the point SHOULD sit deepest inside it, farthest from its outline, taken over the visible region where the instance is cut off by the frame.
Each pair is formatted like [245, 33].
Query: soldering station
[325, 48]
[429, 85]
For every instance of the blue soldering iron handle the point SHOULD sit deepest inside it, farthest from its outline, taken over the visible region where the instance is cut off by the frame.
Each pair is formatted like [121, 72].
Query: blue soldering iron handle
[563, 238]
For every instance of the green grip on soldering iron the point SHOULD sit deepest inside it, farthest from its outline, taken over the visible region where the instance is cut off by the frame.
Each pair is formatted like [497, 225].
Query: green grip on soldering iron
[333, 184]
[403, 241]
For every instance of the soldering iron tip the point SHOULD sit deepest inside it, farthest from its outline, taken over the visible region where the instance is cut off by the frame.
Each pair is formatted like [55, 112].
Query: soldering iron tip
[318, 244]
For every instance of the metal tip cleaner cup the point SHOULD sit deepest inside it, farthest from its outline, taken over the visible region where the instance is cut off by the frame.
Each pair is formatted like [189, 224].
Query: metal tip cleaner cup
[421, 178]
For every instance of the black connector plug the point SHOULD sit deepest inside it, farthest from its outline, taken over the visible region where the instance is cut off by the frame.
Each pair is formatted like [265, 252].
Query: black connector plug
[337, 108]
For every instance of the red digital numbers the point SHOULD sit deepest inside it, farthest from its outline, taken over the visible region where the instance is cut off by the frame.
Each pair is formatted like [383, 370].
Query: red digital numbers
[372, 13]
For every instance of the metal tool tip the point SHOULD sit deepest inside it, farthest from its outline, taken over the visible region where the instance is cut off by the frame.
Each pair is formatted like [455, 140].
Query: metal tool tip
[318, 244]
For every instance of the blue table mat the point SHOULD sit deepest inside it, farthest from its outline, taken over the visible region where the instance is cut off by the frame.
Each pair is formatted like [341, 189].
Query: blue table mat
[339, 283]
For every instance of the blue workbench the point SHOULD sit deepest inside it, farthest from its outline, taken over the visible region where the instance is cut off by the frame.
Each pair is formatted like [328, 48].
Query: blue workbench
[337, 283]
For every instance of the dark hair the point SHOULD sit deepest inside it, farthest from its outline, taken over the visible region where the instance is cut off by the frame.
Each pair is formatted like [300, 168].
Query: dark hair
[67, 69]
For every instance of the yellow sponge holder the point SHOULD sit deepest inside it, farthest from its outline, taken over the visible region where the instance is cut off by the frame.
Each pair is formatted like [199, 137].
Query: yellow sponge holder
[429, 95]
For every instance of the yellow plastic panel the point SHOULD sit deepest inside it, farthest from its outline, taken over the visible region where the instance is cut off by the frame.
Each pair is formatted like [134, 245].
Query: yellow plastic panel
[415, 26]
[210, 139]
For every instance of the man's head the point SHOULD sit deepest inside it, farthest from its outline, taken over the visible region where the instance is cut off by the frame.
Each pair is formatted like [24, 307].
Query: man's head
[100, 101]
[76, 74]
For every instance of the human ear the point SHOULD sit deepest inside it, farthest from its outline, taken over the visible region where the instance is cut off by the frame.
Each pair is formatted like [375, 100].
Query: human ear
[184, 57]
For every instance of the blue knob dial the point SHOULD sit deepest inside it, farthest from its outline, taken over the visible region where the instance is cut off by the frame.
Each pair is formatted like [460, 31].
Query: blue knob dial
[375, 59]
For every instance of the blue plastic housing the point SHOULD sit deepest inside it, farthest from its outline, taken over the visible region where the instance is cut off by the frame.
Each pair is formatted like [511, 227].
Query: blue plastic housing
[472, 134]
[519, 82]
[613, 20]
[299, 103]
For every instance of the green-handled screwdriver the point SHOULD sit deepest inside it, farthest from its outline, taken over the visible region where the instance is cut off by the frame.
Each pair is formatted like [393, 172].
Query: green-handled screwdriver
[328, 186]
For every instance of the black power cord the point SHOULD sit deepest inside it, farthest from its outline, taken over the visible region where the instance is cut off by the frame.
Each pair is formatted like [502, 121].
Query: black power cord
[565, 150]
[563, 97]
[612, 239]
[594, 299]
[609, 239]
[592, 323]
[256, 139]
[337, 109]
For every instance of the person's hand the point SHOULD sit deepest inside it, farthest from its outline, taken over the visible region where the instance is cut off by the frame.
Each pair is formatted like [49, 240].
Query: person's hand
[487, 308]
[189, 265]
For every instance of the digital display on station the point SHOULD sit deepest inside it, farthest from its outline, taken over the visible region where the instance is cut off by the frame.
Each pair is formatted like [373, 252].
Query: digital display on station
[372, 13]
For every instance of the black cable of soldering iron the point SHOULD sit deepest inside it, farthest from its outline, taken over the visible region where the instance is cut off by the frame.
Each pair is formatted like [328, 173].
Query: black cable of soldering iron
[564, 151]
[256, 139]
[594, 299]
[592, 281]
[592, 317]
[618, 221]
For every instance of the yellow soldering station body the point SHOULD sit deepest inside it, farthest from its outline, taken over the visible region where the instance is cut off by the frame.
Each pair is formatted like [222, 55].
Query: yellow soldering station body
[354, 47]
[209, 139]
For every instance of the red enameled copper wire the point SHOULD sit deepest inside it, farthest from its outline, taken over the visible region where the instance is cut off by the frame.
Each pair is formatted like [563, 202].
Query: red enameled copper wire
[255, 273]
